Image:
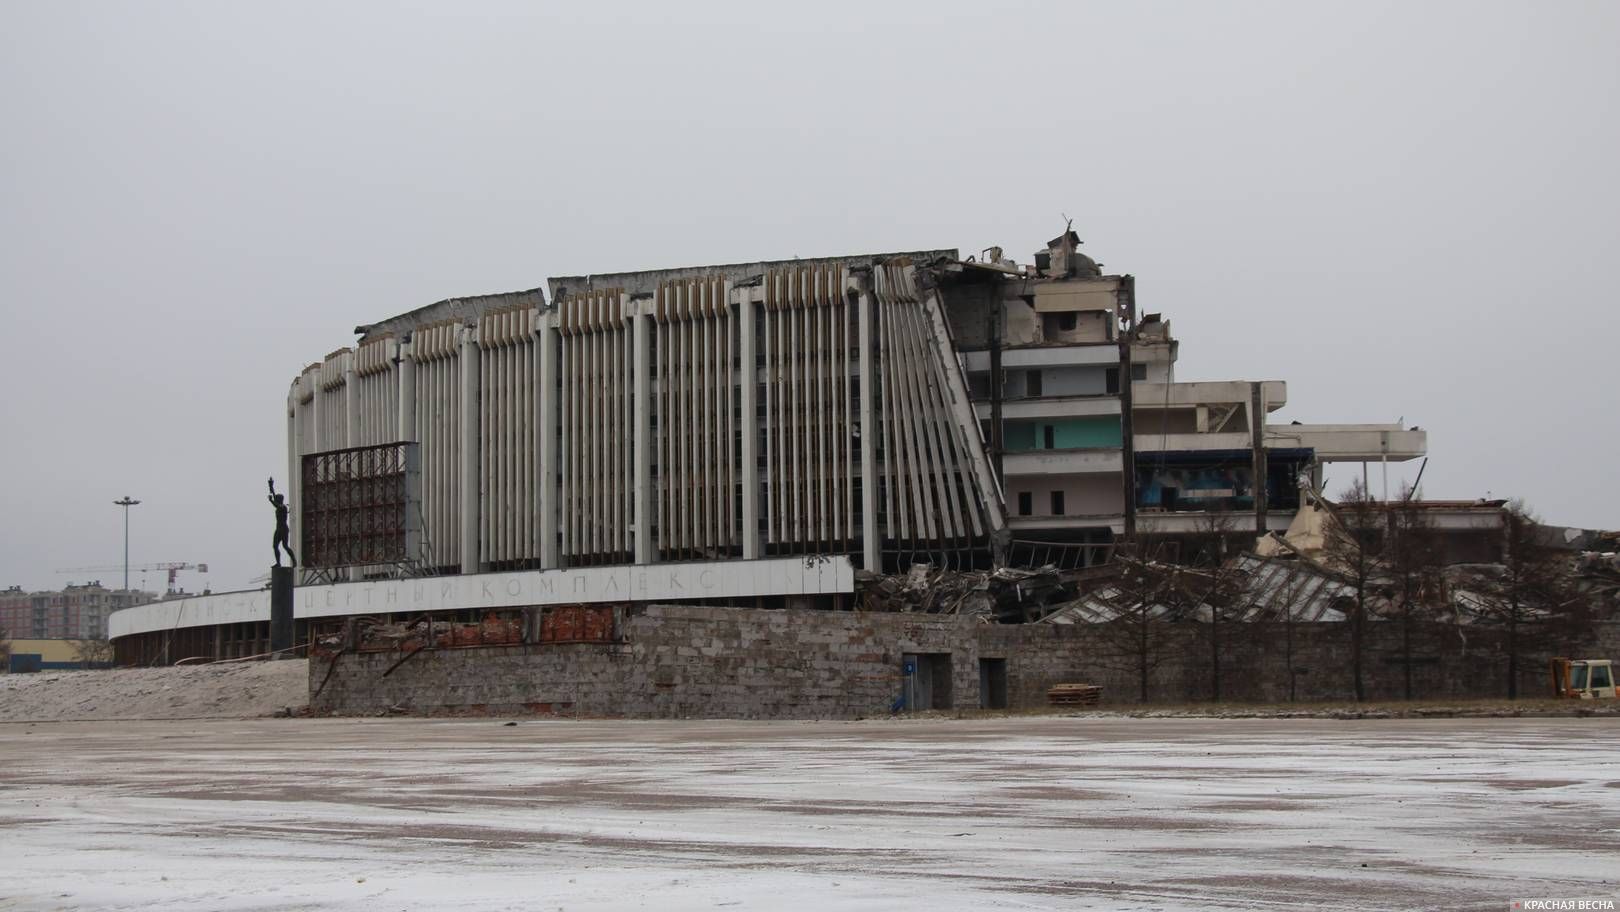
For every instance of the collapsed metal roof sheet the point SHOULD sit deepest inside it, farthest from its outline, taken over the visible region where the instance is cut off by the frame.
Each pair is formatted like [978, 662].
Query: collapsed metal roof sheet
[1271, 589]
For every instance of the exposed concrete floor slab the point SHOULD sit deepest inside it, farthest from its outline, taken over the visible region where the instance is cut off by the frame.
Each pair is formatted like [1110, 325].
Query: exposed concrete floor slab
[1019, 813]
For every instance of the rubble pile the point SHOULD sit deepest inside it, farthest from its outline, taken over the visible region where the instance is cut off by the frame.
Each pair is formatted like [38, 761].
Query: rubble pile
[1004, 595]
[1599, 572]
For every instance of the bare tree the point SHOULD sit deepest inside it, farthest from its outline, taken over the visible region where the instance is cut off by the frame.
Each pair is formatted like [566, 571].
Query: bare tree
[1412, 561]
[1350, 550]
[1292, 587]
[1137, 630]
[92, 652]
[1533, 595]
[1209, 589]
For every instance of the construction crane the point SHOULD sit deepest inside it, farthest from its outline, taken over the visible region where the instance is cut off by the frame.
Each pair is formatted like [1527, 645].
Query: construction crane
[173, 568]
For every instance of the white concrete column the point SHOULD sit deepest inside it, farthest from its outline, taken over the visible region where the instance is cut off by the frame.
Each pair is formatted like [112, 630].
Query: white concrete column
[747, 379]
[641, 456]
[967, 421]
[351, 416]
[871, 553]
[351, 408]
[471, 493]
[546, 407]
[291, 487]
[319, 443]
[407, 393]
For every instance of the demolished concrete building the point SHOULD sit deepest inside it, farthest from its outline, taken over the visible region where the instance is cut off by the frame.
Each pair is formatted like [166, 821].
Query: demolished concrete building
[747, 437]
[889, 408]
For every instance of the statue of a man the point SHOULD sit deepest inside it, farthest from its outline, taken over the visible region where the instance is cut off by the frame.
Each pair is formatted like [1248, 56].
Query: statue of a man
[283, 533]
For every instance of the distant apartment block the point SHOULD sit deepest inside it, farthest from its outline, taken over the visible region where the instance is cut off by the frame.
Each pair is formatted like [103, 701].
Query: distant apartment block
[71, 613]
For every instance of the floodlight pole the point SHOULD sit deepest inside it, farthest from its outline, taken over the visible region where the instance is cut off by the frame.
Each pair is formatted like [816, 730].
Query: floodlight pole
[126, 503]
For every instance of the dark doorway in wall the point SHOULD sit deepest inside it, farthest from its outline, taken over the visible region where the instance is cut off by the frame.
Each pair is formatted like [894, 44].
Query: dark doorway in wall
[1057, 503]
[929, 684]
[1032, 383]
[1026, 503]
[993, 683]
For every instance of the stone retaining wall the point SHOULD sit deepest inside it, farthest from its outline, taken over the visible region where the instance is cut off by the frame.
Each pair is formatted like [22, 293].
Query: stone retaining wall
[686, 661]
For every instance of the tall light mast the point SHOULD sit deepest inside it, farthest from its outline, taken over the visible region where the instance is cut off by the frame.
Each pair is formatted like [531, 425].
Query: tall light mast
[126, 503]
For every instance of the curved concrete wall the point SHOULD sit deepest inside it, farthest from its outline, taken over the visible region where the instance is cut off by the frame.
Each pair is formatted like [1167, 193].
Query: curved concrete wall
[674, 582]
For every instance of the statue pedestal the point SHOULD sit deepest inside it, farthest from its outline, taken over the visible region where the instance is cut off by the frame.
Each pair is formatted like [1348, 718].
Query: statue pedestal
[281, 609]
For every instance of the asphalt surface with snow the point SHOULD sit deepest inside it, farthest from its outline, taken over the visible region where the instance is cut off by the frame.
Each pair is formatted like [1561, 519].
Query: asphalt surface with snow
[1017, 813]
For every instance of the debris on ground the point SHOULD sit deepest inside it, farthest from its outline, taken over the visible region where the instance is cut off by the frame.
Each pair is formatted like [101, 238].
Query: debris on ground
[1074, 695]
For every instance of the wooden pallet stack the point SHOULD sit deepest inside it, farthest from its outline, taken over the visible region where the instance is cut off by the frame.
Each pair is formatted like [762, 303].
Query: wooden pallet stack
[1074, 695]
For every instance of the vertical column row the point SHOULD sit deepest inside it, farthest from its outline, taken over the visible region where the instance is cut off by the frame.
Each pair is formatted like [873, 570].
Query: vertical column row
[436, 355]
[509, 464]
[809, 483]
[695, 364]
[935, 472]
[332, 388]
[376, 392]
[596, 427]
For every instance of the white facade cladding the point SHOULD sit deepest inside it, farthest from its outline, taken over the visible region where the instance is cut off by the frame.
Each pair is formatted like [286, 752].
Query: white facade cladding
[334, 389]
[810, 434]
[696, 463]
[938, 487]
[795, 408]
[376, 392]
[508, 421]
[597, 434]
[436, 355]
[876, 407]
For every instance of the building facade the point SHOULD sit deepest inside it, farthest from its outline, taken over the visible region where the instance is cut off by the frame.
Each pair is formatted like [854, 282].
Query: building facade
[894, 408]
[760, 436]
[71, 613]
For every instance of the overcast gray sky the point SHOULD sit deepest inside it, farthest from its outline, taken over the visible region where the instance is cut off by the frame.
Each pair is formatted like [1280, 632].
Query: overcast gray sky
[1402, 209]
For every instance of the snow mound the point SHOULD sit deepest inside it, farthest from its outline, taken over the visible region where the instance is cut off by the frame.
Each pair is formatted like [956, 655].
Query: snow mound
[233, 690]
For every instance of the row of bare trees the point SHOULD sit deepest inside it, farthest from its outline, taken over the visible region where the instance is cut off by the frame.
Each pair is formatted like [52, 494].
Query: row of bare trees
[1393, 558]
[1381, 563]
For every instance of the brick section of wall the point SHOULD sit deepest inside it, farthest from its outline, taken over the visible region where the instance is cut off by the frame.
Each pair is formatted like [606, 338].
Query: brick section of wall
[673, 661]
[685, 661]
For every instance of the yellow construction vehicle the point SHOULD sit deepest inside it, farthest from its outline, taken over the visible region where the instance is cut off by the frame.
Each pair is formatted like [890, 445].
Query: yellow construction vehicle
[1583, 679]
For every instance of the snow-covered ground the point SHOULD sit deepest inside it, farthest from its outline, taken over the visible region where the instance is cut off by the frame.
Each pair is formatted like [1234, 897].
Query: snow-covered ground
[1020, 813]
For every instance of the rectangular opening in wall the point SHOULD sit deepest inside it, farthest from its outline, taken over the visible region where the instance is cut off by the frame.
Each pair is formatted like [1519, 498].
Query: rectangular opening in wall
[992, 683]
[939, 673]
[1026, 503]
[928, 681]
[1048, 436]
[1111, 381]
[1032, 383]
[1057, 503]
